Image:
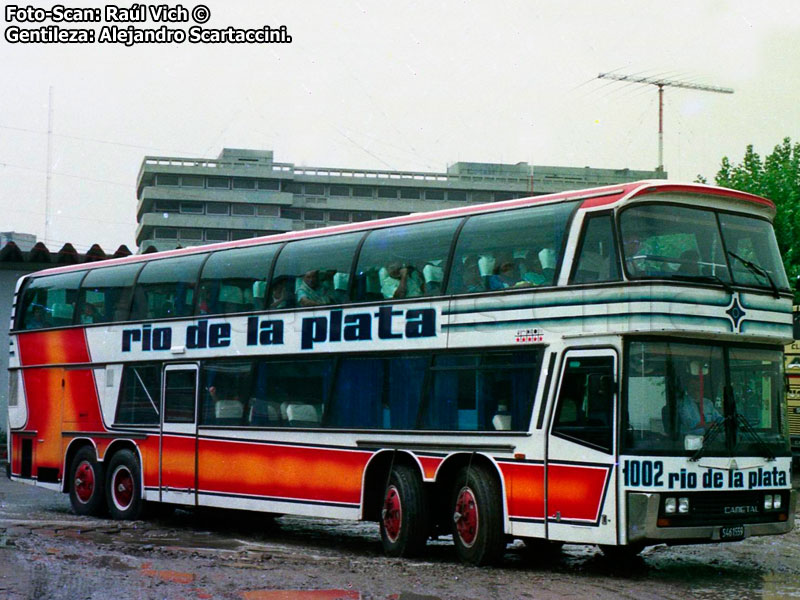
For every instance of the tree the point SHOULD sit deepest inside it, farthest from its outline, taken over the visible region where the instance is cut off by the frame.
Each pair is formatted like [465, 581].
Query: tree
[777, 177]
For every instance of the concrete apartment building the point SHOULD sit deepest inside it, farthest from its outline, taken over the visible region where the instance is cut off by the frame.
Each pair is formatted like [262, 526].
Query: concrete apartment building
[245, 193]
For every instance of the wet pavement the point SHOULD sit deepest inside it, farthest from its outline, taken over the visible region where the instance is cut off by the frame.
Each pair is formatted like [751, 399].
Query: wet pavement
[48, 552]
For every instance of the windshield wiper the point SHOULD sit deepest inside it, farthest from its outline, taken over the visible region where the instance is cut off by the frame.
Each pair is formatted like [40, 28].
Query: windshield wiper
[705, 278]
[757, 270]
[748, 428]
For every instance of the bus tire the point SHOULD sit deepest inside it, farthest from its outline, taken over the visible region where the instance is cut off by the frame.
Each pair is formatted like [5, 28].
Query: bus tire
[124, 488]
[87, 487]
[477, 518]
[404, 518]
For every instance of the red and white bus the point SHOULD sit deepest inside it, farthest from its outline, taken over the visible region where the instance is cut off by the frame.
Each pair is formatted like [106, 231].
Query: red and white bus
[601, 366]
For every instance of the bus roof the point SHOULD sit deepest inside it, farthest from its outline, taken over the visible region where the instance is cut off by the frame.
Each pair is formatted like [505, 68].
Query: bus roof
[606, 196]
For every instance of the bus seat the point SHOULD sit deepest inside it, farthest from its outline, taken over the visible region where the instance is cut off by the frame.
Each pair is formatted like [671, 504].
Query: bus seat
[228, 409]
[62, 313]
[501, 422]
[264, 412]
[301, 415]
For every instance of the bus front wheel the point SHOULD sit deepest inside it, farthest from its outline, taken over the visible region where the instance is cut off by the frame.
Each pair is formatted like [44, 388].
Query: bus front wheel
[124, 488]
[477, 520]
[404, 514]
[86, 487]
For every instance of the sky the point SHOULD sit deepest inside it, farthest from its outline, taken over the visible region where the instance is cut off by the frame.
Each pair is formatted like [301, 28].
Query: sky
[395, 85]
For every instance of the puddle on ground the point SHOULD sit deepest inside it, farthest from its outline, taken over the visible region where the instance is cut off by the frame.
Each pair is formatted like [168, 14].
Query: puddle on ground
[323, 595]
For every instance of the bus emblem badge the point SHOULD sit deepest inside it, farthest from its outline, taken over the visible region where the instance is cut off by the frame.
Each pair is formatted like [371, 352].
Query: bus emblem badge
[735, 312]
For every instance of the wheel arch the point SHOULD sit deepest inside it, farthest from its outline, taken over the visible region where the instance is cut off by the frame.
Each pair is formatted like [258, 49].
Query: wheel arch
[376, 474]
[127, 444]
[447, 472]
[74, 446]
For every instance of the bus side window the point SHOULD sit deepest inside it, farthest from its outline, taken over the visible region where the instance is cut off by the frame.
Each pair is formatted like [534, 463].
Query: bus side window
[314, 272]
[165, 288]
[49, 301]
[509, 249]
[106, 294]
[585, 409]
[235, 280]
[598, 260]
[404, 262]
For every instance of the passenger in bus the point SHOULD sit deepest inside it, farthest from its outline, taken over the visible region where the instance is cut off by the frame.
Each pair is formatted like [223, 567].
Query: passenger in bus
[88, 314]
[506, 275]
[696, 410]
[689, 263]
[400, 281]
[530, 268]
[37, 318]
[280, 294]
[202, 301]
[472, 281]
[311, 293]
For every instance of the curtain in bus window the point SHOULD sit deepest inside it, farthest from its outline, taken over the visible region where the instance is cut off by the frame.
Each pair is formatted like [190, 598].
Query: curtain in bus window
[406, 378]
[139, 395]
[358, 395]
[452, 398]
[50, 301]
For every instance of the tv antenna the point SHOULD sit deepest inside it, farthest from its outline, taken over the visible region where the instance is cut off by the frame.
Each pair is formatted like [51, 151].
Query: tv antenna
[661, 84]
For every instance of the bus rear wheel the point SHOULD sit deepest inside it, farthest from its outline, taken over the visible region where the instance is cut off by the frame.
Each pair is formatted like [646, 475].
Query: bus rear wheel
[124, 488]
[404, 514]
[86, 486]
[477, 520]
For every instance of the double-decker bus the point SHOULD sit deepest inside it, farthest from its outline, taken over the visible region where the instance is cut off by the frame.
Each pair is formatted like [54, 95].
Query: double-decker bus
[793, 384]
[602, 366]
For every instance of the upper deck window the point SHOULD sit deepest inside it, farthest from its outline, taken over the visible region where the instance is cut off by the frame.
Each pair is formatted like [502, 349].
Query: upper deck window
[235, 280]
[106, 294]
[672, 242]
[49, 301]
[754, 241]
[680, 242]
[405, 262]
[165, 288]
[314, 272]
[510, 249]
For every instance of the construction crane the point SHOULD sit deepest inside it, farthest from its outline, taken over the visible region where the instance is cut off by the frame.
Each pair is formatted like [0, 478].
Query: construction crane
[661, 84]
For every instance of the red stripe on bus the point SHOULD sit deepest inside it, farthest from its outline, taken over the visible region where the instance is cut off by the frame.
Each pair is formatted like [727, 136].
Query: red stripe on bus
[281, 471]
[64, 346]
[524, 489]
[576, 491]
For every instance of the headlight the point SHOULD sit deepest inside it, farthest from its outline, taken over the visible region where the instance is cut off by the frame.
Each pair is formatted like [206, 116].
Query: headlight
[669, 505]
[768, 502]
[776, 501]
[683, 505]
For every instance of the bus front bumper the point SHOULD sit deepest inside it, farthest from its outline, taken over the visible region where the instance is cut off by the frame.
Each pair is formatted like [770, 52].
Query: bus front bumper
[643, 527]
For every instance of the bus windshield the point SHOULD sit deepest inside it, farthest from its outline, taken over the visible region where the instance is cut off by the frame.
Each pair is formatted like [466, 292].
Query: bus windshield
[676, 400]
[680, 242]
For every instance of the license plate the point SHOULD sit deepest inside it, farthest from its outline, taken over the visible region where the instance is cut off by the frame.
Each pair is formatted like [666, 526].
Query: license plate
[731, 532]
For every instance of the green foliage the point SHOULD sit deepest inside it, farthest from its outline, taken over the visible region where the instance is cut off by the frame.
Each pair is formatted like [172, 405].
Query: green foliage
[776, 177]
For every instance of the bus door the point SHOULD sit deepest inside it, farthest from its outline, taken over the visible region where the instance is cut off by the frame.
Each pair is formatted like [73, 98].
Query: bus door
[177, 461]
[579, 458]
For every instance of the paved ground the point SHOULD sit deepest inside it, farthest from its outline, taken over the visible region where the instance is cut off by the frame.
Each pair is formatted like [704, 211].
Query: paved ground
[47, 552]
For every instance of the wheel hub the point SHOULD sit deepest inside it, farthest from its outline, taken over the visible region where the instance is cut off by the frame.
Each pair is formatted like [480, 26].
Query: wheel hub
[392, 514]
[84, 482]
[466, 517]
